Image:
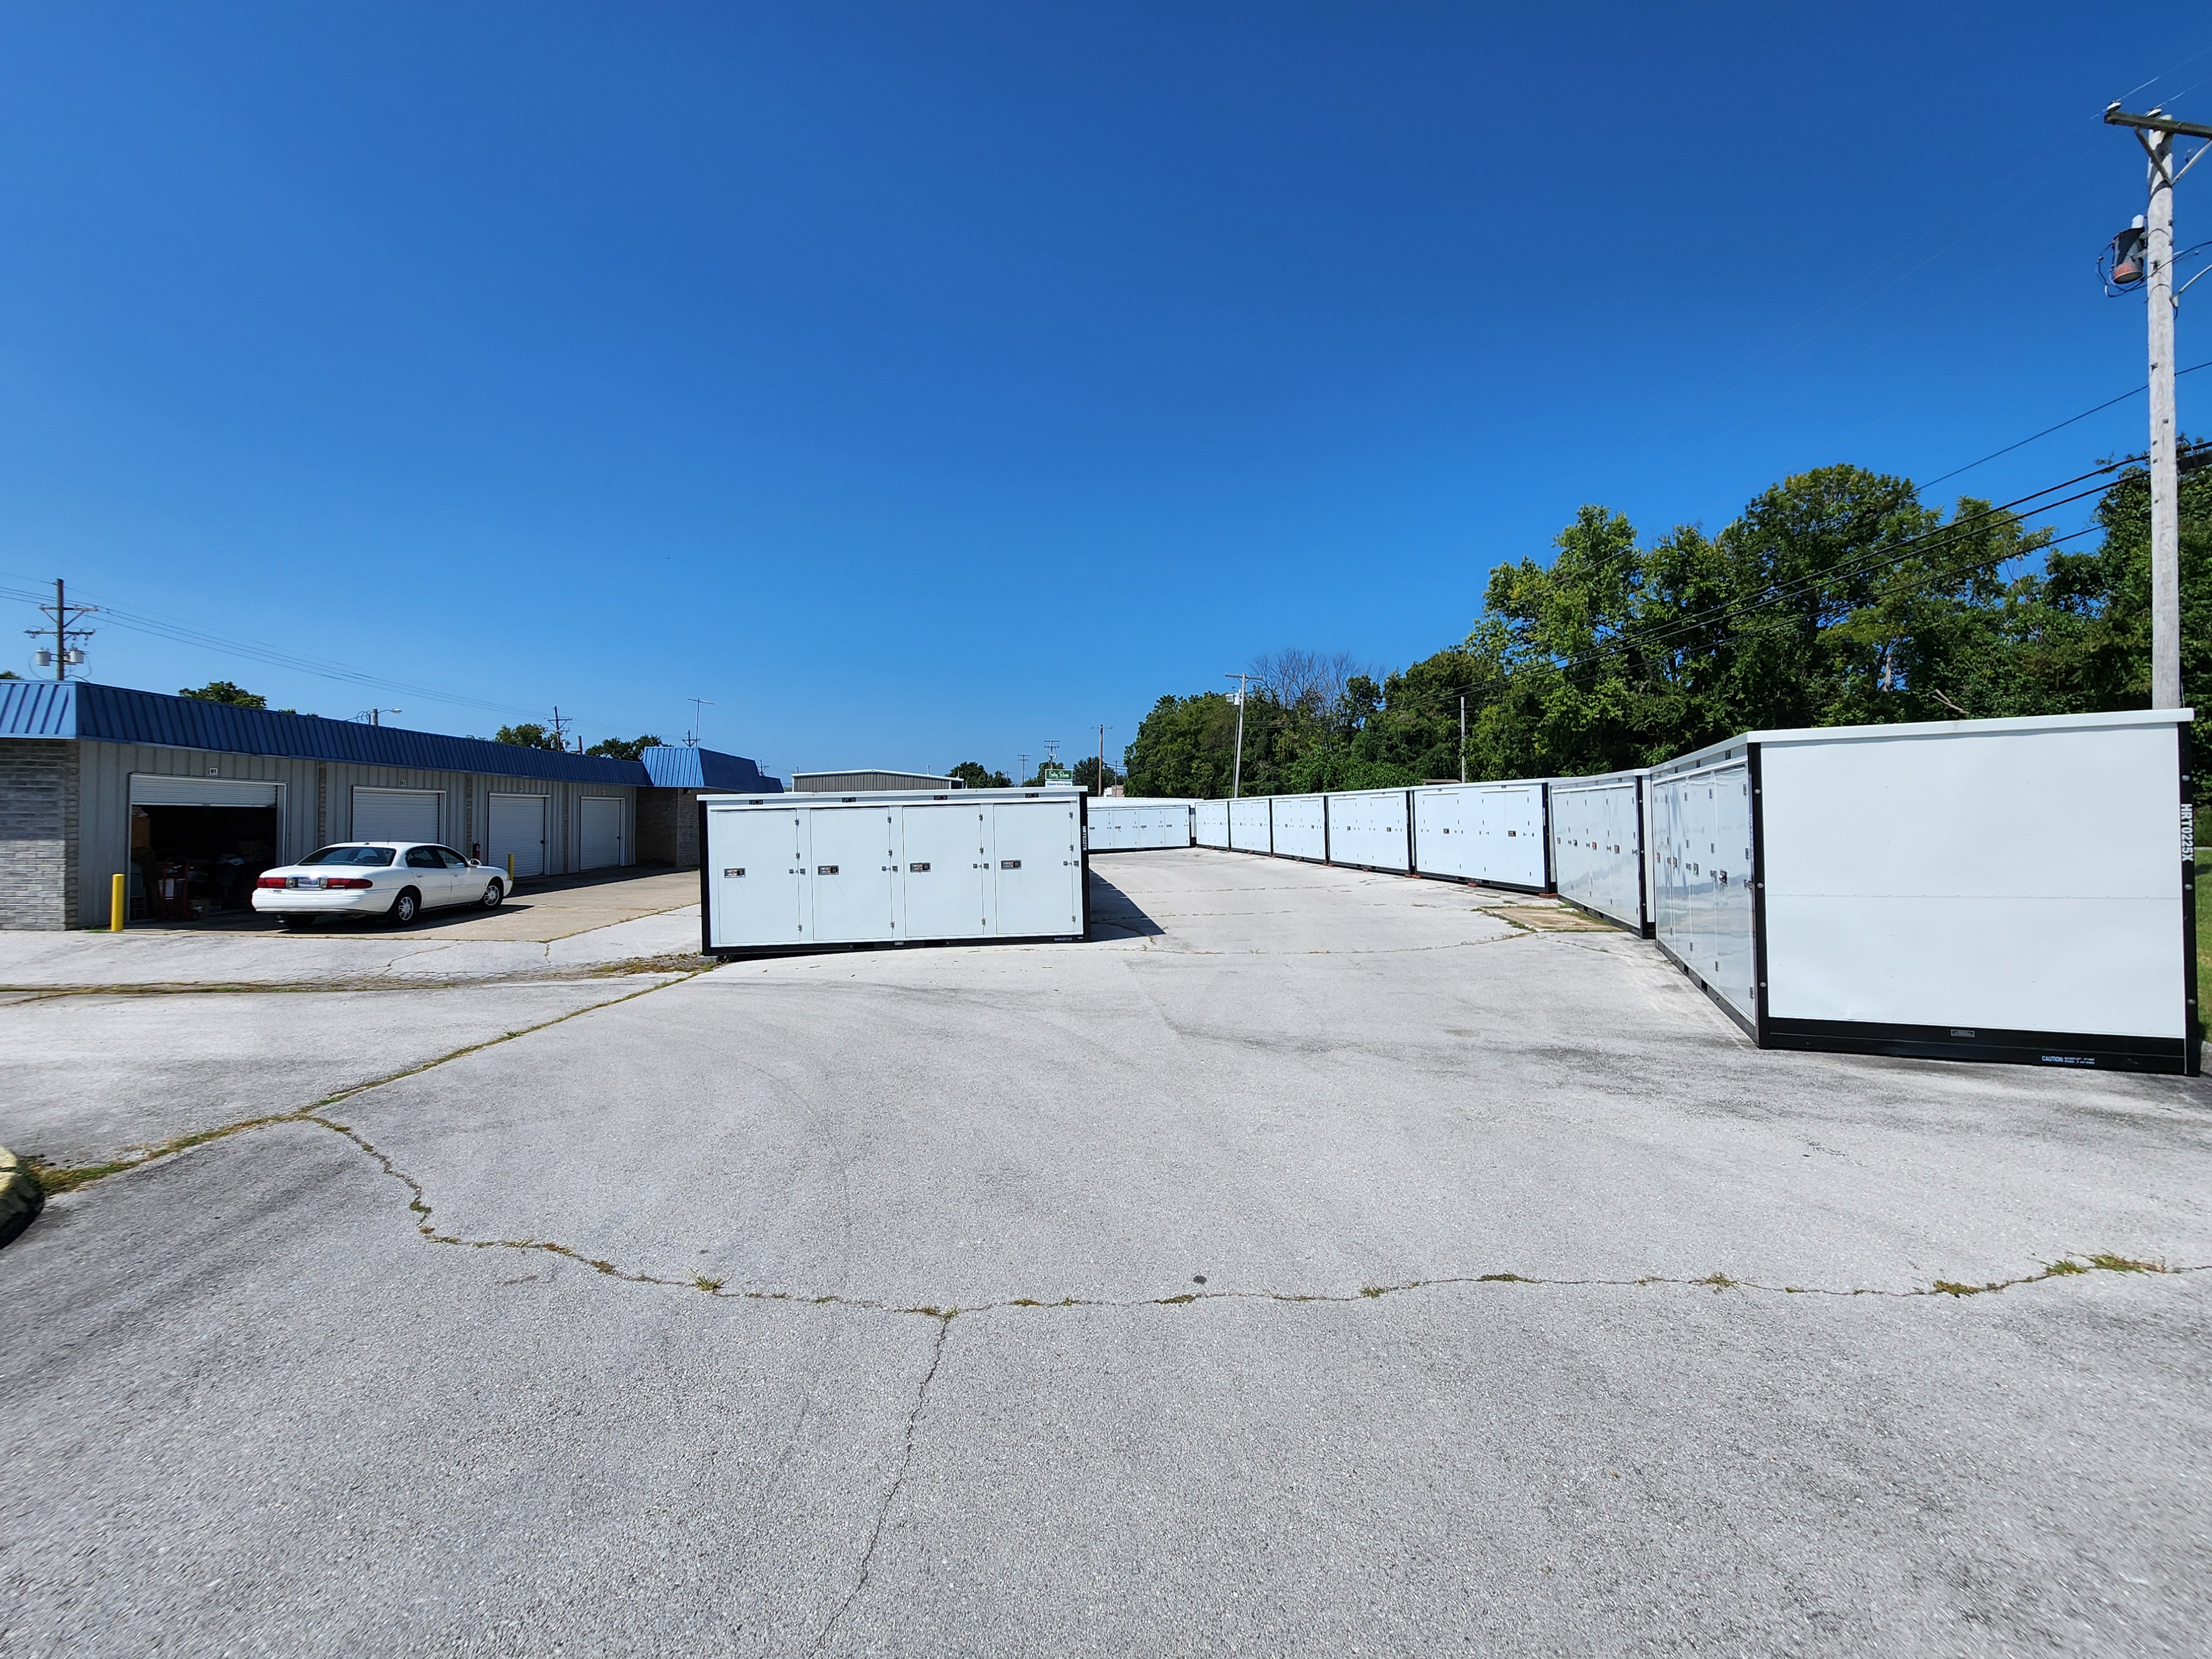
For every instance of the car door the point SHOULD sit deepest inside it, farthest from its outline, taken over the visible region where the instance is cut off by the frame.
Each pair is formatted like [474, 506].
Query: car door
[427, 874]
[468, 884]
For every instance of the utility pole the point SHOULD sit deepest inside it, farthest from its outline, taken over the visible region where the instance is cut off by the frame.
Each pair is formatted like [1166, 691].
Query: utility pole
[64, 656]
[1462, 736]
[1021, 771]
[1102, 762]
[560, 735]
[2156, 133]
[1236, 777]
[372, 715]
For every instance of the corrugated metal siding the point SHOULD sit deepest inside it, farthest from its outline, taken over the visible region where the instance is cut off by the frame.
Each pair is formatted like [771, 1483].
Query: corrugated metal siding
[847, 783]
[113, 714]
[37, 709]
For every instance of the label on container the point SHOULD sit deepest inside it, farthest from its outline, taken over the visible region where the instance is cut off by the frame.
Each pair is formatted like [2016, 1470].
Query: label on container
[2188, 831]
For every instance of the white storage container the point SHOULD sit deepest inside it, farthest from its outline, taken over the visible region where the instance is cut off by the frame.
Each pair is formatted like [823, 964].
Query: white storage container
[1367, 828]
[1301, 827]
[1209, 823]
[1984, 889]
[1249, 829]
[1120, 826]
[1492, 833]
[1597, 846]
[807, 873]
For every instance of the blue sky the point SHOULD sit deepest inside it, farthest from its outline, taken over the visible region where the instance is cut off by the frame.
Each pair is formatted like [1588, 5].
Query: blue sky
[919, 383]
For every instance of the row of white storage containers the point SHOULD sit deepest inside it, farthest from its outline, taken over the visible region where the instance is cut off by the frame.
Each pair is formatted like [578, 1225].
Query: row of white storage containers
[1992, 889]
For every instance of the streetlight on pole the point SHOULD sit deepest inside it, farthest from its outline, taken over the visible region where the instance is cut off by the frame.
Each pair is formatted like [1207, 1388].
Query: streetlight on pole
[2154, 252]
[1236, 777]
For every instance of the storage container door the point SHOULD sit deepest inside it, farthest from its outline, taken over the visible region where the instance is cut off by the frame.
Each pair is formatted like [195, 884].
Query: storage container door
[851, 852]
[943, 849]
[517, 826]
[1735, 974]
[1036, 868]
[602, 832]
[754, 863]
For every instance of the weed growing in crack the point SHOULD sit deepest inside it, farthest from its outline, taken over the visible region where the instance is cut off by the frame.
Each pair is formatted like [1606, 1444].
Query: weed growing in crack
[1371, 1291]
[1719, 1282]
[2121, 1264]
[1504, 1278]
[709, 1286]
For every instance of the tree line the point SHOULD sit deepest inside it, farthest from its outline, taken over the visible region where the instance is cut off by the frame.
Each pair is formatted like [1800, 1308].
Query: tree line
[1835, 598]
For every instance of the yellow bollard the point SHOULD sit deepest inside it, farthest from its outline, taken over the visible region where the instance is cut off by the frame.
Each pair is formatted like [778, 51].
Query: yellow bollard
[510, 873]
[116, 905]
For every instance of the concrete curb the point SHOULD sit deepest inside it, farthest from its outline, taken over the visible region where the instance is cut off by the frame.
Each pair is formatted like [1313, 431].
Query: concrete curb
[21, 1196]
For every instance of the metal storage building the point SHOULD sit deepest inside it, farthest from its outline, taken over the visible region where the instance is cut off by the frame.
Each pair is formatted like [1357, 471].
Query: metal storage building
[805, 873]
[1598, 859]
[1122, 824]
[1209, 821]
[2018, 890]
[97, 780]
[855, 779]
[1300, 826]
[1369, 828]
[1492, 833]
[1249, 830]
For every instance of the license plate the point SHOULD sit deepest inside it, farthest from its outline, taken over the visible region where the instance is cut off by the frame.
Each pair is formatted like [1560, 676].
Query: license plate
[304, 881]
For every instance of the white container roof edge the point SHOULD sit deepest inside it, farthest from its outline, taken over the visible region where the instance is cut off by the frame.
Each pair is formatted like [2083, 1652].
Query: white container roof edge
[1813, 734]
[807, 800]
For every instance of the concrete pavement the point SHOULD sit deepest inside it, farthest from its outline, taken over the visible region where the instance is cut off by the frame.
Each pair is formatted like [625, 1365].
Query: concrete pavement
[1315, 1263]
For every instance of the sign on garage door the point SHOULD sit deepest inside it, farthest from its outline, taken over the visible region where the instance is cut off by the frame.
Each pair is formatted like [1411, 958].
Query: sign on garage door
[395, 814]
[602, 832]
[518, 826]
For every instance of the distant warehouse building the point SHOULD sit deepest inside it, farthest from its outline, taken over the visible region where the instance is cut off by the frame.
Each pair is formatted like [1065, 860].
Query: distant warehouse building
[189, 801]
[866, 777]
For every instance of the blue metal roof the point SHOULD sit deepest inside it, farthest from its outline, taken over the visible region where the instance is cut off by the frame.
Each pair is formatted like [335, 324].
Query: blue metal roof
[37, 709]
[108, 713]
[675, 767]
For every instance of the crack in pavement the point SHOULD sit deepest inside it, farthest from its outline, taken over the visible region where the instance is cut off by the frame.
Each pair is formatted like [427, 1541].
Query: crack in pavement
[65, 1179]
[622, 968]
[897, 1482]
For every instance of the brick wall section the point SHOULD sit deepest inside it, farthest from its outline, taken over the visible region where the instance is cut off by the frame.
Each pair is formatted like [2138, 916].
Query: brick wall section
[38, 834]
[668, 827]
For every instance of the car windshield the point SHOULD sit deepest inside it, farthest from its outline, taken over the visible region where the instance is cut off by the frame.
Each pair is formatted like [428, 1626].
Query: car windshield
[349, 855]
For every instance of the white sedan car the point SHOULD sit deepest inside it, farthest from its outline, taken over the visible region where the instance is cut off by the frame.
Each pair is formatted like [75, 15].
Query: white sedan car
[395, 879]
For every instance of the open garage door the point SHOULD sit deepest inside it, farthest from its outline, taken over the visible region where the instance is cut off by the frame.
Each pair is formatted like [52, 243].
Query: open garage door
[197, 844]
[518, 827]
[603, 836]
[395, 814]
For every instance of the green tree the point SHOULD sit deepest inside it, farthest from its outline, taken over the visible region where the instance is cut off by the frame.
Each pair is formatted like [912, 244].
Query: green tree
[1086, 774]
[629, 749]
[975, 776]
[530, 736]
[223, 691]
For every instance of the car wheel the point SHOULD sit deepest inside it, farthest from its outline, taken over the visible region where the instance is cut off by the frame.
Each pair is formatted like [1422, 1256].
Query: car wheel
[405, 907]
[494, 894]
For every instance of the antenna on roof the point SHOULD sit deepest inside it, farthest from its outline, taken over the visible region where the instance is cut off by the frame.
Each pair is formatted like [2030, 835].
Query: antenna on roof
[698, 705]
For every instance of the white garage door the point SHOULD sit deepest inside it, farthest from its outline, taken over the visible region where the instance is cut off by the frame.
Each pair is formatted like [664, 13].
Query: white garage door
[602, 832]
[518, 826]
[395, 814]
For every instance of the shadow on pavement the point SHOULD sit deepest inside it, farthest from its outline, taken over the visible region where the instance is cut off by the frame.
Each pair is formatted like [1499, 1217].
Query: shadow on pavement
[1113, 911]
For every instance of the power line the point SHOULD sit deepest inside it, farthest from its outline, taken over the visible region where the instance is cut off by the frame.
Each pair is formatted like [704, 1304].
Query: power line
[187, 634]
[2136, 392]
